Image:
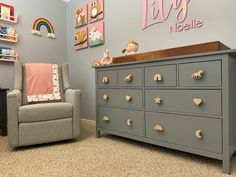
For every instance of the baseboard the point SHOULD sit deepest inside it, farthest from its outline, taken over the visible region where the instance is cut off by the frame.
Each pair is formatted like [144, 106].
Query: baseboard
[93, 122]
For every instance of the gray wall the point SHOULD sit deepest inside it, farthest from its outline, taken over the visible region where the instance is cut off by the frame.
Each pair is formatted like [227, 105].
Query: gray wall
[33, 48]
[123, 22]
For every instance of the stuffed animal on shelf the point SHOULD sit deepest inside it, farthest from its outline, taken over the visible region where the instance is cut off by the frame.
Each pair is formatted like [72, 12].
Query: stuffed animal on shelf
[106, 60]
[131, 48]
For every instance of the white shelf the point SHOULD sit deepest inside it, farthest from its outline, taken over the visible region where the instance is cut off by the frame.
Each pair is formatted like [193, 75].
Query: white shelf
[15, 18]
[11, 56]
[9, 40]
[7, 60]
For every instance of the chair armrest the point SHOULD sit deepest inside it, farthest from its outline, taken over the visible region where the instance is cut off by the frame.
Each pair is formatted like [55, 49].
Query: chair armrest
[73, 97]
[13, 103]
[16, 96]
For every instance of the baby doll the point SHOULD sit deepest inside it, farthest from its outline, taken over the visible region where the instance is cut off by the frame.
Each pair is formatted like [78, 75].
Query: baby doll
[131, 48]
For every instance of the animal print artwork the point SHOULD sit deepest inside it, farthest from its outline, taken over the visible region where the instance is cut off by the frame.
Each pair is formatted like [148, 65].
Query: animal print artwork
[81, 17]
[81, 38]
[96, 10]
[96, 34]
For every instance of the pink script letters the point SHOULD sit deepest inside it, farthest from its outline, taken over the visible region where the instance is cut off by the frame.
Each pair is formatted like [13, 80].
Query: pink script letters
[156, 8]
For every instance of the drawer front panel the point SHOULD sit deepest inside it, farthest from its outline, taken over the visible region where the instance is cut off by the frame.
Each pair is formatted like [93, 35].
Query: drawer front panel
[130, 77]
[160, 76]
[107, 78]
[196, 132]
[187, 101]
[122, 120]
[120, 97]
[200, 74]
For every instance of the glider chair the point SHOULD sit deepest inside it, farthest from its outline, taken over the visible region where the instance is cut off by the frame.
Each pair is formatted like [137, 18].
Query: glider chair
[47, 120]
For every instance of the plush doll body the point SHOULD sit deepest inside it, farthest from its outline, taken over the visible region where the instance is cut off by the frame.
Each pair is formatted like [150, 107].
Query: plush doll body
[131, 48]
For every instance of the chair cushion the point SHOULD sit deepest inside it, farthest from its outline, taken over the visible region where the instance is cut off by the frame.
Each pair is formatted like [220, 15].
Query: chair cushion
[45, 112]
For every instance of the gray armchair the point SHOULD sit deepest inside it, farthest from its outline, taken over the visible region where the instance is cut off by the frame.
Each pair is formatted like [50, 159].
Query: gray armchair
[30, 124]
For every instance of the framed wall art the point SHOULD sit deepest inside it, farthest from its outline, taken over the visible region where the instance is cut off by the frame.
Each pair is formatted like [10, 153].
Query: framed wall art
[81, 16]
[81, 38]
[96, 34]
[96, 10]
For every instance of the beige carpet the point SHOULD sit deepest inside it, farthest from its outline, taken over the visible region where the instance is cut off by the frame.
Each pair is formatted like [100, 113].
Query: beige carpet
[109, 156]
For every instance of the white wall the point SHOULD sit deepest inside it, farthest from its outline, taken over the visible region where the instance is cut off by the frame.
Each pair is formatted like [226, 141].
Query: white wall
[33, 48]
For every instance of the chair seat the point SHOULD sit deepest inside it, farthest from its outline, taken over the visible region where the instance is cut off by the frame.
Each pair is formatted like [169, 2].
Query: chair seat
[45, 112]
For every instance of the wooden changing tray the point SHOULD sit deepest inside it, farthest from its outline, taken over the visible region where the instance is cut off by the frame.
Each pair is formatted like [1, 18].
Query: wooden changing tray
[185, 50]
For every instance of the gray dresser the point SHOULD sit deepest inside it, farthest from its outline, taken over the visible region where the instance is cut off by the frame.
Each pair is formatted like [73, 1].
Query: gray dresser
[186, 103]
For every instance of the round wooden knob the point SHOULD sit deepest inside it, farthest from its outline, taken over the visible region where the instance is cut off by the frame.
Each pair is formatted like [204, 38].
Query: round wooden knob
[128, 98]
[158, 100]
[198, 75]
[159, 128]
[106, 119]
[105, 79]
[128, 78]
[105, 97]
[197, 101]
[157, 77]
[199, 134]
[130, 122]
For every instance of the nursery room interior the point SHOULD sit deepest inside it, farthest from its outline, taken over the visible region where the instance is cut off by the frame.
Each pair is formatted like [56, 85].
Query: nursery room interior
[107, 88]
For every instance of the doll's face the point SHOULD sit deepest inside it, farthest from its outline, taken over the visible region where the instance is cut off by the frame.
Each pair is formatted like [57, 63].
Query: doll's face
[132, 48]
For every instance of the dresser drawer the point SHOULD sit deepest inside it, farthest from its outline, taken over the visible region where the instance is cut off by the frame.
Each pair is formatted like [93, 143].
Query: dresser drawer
[161, 76]
[200, 74]
[130, 77]
[186, 101]
[120, 97]
[122, 120]
[195, 132]
[107, 78]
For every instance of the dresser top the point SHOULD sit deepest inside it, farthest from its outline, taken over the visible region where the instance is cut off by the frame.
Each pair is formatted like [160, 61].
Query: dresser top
[149, 60]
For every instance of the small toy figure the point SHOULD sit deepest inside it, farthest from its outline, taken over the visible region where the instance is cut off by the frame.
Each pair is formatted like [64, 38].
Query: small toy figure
[106, 60]
[131, 48]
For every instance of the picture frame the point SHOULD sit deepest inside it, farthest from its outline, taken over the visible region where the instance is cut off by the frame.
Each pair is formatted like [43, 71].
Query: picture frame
[96, 10]
[81, 16]
[96, 34]
[81, 38]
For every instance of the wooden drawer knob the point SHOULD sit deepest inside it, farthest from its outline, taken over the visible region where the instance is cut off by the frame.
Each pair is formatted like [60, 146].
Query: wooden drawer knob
[128, 98]
[159, 128]
[105, 97]
[157, 77]
[199, 134]
[198, 75]
[197, 101]
[106, 119]
[130, 122]
[158, 100]
[105, 80]
[128, 78]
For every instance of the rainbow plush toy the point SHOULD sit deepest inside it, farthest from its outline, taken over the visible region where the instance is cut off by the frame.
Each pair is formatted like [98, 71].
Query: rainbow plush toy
[43, 22]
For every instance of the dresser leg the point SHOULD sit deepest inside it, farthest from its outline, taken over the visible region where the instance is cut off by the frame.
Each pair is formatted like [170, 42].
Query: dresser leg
[98, 135]
[226, 165]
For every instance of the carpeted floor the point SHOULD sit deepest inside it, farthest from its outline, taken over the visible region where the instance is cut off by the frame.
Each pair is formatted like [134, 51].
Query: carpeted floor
[109, 156]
